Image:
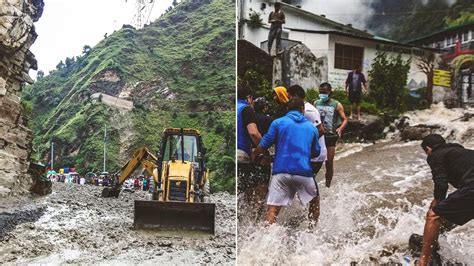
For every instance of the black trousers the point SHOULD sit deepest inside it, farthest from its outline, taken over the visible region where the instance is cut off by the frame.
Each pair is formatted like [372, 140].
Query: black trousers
[252, 175]
[275, 33]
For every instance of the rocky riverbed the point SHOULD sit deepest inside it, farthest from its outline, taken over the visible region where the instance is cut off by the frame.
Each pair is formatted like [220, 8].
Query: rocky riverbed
[74, 225]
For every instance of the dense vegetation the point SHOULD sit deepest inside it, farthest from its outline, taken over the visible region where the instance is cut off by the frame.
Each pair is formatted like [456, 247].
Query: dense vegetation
[179, 71]
[404, 20]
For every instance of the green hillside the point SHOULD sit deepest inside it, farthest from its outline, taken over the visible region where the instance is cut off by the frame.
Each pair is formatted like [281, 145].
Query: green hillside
[179, 71]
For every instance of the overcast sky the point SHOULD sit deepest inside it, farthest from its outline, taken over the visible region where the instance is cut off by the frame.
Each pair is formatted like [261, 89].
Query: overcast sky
[355, 12]
[67, 25]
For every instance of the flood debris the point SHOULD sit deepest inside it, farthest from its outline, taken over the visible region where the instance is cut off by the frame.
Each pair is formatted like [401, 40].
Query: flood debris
[77, 226]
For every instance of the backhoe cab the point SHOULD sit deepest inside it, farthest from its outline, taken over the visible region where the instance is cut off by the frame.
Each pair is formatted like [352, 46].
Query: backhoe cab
[181, 185]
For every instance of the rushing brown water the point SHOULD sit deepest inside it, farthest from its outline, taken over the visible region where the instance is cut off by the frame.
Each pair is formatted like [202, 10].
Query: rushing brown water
[379, 197]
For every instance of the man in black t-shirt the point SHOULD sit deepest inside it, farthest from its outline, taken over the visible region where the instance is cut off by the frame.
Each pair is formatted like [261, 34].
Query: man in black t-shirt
[450, 163]
[260, 106]
[248, 135]
[252, 177]
[355, 85]
[276, 20]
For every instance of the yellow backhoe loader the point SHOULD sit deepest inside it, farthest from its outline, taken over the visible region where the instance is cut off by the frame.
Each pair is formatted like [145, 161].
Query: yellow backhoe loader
[181, 186]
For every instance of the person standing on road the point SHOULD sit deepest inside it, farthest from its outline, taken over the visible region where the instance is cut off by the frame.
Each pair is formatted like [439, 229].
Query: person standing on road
[334, 122]
[450, 163]
[276, 20]
[296, 142]
[355, 85]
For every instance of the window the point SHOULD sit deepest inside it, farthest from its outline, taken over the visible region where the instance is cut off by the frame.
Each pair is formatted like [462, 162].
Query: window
[347, 56]
[465, 36]
[173, 147]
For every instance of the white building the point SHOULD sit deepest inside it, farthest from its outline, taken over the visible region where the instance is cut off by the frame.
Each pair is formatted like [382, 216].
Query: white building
[341, 46]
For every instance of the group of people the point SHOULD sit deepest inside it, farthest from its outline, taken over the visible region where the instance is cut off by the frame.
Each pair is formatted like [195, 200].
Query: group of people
[95, 180]
[133, 183]
[304, 136]
[65, 178]
[356, 83]
[138, 183]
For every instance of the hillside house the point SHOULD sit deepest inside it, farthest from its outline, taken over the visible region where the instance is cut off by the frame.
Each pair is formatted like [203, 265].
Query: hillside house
[337, 47]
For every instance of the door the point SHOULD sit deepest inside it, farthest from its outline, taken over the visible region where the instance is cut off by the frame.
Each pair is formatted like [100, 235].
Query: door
[467, 90]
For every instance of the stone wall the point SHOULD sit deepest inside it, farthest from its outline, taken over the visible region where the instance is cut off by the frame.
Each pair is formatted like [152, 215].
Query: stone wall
[17, 34]
[298, 65]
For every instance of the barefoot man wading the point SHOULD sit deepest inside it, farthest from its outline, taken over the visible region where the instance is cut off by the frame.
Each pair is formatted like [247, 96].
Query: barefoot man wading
[334, 122]
[296, 142]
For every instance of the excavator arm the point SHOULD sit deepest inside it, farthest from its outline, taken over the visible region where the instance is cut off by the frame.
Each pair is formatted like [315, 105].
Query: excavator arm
[141, 157]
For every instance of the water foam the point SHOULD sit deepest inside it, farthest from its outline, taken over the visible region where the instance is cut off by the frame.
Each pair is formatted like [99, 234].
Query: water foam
[369, 213]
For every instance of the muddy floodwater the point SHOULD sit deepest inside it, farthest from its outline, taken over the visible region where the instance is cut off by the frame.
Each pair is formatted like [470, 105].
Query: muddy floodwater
[379, 196]
[74, 225]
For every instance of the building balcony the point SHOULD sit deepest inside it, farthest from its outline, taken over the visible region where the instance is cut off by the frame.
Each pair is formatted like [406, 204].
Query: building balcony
[459, 49]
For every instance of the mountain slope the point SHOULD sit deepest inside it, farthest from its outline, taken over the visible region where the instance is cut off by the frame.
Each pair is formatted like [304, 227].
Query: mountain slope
[179, 71]
[407, 19]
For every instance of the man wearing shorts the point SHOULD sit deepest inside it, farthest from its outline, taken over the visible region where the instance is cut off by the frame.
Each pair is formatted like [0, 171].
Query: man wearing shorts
[355, 83]
[450, 163]
[312, 114]
[296, 142]
[334, 122]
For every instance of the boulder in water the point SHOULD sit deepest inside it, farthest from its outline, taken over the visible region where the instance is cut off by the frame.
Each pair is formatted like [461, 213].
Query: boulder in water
[369, 128]
[41, 184]
[417, 132]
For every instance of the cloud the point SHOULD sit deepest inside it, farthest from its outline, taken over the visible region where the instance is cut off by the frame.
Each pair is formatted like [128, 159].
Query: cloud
[355, 12]
[67, 25]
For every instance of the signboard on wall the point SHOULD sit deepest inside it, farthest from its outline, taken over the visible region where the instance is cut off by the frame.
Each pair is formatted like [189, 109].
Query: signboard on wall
[442, 78]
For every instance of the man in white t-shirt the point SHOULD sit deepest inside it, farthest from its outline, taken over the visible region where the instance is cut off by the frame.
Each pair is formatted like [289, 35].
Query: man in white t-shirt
[312, 114]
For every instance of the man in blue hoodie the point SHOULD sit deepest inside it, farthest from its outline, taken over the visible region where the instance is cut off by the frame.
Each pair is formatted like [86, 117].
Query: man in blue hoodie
[296, 142]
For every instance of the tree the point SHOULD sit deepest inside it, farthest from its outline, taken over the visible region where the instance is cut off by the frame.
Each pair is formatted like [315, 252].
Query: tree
[426, 65]
[175, 2]
[388, 79]
[60, 65]
[69, 62]
[39, 75]
[86, 49]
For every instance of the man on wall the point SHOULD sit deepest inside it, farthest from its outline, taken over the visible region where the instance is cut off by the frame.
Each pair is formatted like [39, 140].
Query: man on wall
[276, 20]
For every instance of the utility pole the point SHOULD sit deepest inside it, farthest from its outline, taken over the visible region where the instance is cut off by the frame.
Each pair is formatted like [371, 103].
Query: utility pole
[52, 154]
[105, 147]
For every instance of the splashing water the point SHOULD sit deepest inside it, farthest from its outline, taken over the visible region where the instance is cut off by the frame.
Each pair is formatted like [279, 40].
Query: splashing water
[452, 127]
[379, 197]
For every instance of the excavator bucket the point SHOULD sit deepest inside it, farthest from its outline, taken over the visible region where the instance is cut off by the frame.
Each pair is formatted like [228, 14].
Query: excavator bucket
[174, 215]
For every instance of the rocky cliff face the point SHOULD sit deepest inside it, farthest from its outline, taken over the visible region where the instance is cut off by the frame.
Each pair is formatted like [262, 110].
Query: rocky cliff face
[17, 34]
